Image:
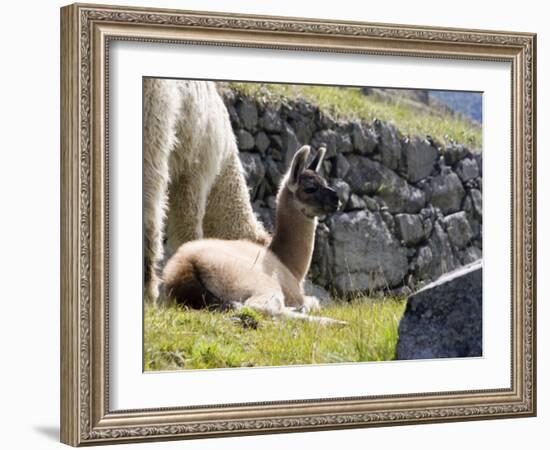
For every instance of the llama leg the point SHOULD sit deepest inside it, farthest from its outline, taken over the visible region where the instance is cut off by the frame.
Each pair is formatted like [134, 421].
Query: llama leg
[311, 303]
[160, 103]
[196, 161]
[187, 206]
[290, 313]
[228, 213]
[271, 304]
[308, 304]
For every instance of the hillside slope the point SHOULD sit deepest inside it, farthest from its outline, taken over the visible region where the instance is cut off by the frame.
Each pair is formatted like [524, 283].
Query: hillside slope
[406, 109]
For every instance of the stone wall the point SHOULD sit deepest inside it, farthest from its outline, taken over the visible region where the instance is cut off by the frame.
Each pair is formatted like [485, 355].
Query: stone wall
[411, 207]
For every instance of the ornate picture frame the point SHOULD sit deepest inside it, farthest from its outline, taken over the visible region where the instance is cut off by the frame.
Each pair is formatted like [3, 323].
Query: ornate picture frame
[86, 34]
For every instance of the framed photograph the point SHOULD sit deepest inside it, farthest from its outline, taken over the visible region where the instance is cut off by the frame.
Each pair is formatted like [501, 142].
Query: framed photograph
[277, 224]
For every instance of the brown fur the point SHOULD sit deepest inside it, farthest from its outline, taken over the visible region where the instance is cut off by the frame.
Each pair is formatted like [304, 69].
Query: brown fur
[289, 241]
[190, 288]
[207, 268]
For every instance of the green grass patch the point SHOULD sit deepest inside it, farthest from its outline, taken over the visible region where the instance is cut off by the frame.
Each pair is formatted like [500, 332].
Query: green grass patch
[350, 103]
[177, 338]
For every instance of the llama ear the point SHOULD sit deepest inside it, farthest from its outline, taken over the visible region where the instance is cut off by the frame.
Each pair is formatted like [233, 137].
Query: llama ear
[315, 164]
[298, 165]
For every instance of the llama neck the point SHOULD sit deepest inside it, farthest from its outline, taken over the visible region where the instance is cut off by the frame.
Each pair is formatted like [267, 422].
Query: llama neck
[294, 236]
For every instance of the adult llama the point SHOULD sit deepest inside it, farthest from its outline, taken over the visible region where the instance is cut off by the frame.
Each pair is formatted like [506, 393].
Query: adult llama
[193, 182]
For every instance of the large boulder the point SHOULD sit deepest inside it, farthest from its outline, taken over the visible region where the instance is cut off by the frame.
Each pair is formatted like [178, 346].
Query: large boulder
[447, 192]
[344, 144]
[454, 153]
[342, 166]
[467, 169]
[366, 255]
[478, 156]
[458, 229]
[421, 263]
[409, 228]
[317, 291]
[364, 140]
[476, 197]
[248, 113]
[254, 170]
[323, 257]
[419, 157]
[261, 142]
[366, 176]
[355, 202]
[271, 121]
[471, 214]
[389, 144]
[289, 142]
[233, 115]
[342, 190]
[328, 139]
[444, 319]
[443, 258]
[273, 172]
[335, 141]
[245, 141]
[301, 116]
[469, 255]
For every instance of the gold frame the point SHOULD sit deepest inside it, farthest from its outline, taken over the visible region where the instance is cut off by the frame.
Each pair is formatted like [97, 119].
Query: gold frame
[86, 31]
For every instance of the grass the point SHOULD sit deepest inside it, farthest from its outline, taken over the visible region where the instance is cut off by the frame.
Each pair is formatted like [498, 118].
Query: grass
[176, 338]
[351, 103]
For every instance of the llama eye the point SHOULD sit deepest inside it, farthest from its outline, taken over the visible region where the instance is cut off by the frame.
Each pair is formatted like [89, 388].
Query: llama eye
[311, 190]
